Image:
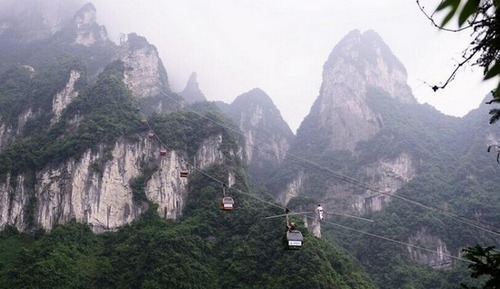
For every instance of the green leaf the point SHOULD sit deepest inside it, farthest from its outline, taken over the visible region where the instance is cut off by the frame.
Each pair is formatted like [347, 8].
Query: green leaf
[493, 71]
[453, 5]
[447, 3]
[469, 9]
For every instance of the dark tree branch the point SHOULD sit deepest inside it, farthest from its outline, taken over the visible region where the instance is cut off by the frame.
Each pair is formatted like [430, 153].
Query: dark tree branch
[431, 19]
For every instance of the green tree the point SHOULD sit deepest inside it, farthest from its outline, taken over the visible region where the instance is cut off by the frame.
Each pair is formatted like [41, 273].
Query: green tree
[481, 16]
[485, 264]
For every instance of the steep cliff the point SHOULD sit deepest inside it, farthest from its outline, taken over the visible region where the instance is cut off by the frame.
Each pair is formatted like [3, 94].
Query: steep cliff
[342, 117]
[96, 181]
[340, 114]
[367, 148]
[32, 20]
[267, 136]
[73, 140]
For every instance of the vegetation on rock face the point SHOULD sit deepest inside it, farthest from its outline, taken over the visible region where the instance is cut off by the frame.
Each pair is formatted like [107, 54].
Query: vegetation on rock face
[453, 176]
[208, 248]
[107, 112]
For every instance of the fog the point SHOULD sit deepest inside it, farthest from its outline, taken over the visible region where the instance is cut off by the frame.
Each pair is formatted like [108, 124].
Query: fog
[281, 46]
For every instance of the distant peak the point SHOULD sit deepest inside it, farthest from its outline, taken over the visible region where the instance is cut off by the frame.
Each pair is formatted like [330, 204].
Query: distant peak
[366, 58]
[136, 41]
[192, 92]
[86, 14]
[87, 7]
[192, 81]
[365, 46]
[255, 95]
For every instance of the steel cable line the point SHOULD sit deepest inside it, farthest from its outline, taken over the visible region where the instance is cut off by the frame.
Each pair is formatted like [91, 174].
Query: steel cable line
[306, 213]
[341, 177]
[395, 241]
[333, 173]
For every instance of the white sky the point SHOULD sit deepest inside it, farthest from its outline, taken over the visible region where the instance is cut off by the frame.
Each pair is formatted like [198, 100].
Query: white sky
[281, 46]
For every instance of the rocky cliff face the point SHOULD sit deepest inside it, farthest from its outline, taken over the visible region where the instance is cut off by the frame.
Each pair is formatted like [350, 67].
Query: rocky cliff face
[88, 32]
[146, 76]
[97, 191]
[423, 239]
[143, 73]
[342, 117]
[32, 20]
[97, 188]
[267, 135]
[340, 114]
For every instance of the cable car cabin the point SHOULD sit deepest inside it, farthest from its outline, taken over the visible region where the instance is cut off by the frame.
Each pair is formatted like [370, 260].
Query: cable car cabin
[151, 135]
[184, 173]
[227, 204]
[163, 152]
[293, 240]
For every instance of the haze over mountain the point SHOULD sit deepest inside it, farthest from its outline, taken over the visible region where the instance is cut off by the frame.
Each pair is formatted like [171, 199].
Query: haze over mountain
[267, 136]
[93, 140]
[281, 48]
[192, 92]
[373, 151]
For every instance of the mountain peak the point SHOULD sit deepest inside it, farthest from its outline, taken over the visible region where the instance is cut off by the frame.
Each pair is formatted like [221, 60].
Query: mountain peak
[341, 115]
[192, 92]
[261, 122]
[88, 32]
[366, 60]
[255, 96]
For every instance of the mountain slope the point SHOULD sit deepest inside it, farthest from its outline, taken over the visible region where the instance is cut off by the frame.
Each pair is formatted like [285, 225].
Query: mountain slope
[92, 140]
[267, 136]
[372, 151]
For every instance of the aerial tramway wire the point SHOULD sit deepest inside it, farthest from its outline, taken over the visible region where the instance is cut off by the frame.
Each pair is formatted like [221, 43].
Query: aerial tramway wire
[341, 177]
[306, 214]
[334, 174]
[395, 241]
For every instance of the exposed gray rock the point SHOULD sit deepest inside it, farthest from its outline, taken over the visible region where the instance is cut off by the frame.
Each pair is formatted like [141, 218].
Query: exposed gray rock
[267, 135]
[98, 192]
[192, 92]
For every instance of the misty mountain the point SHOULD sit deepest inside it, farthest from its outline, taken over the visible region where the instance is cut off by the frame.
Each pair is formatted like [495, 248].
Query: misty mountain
[373, 151]
[92, 146]
[192, 92]
[267, 136]
[34, 20]
[93, 140]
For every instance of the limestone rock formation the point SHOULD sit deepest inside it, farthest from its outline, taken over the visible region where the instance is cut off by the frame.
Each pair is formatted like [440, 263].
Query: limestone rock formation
[32, 20]
[340, 116]
[192, 92]
[267, 135]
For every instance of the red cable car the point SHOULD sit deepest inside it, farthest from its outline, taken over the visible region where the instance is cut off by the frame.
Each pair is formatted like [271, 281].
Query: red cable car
[184, 173]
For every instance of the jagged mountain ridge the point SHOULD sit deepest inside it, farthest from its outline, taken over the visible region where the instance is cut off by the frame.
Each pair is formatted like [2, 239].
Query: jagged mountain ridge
[369, 139]
[56, 101]
[32, 20]
[77, 148]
